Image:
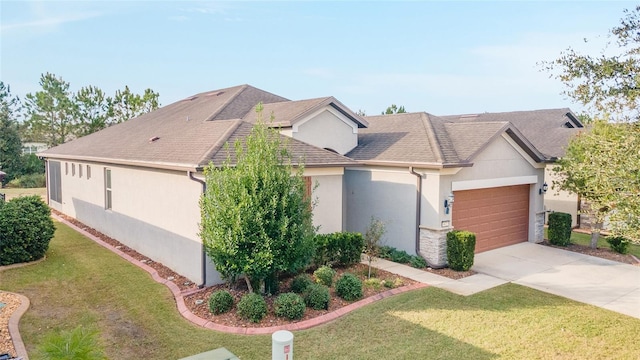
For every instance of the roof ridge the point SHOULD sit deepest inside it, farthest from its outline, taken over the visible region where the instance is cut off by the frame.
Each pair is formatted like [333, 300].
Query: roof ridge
[444, 139]
[220, 142]
[226, 103]
[434, 144]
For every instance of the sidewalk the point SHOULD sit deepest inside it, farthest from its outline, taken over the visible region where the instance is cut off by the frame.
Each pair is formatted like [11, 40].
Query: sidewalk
[465, 286]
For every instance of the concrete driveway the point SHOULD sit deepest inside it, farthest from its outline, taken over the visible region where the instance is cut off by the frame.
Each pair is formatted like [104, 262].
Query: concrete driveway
[591, 280]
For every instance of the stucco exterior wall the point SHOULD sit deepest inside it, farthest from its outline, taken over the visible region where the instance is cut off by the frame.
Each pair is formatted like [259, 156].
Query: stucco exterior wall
[559, 200]
[327, 129]
[154, 212]
[328, 199]
[502, 163]
[387, 194]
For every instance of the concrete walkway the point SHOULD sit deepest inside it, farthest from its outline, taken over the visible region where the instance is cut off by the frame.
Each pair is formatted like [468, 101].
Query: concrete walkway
[591, 280]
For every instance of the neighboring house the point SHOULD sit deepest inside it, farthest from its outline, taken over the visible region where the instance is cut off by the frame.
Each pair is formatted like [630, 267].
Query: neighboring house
[140, 181]
[549, 131]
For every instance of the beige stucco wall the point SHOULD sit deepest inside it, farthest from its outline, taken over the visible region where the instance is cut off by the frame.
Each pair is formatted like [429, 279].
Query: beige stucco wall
[389, 194]
[328, 199]
[154, 212]
[501, 163]
[327, 129]
[559, 200]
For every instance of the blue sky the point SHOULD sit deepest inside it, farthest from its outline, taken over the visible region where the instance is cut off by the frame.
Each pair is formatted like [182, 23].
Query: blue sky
[440, 57]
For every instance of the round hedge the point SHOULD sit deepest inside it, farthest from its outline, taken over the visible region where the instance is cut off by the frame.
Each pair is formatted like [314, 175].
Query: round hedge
[252, 307]
[324, 275]
[317, 297]
[290, 306]
[220, 302]
[26, 229]
[349, 287]
[300, 283]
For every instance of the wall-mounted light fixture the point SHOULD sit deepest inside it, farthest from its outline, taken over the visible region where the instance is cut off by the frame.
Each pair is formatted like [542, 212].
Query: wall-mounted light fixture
[544, 189]
[448, 203]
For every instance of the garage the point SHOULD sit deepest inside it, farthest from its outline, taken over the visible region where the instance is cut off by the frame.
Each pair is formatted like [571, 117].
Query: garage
[499, 216]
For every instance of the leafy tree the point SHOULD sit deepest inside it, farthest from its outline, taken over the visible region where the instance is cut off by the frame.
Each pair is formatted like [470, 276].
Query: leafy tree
[10, 144]
[393, 109]
[126, 105]
[92, 110]
[602, 164]
[256, 220]
[50, 111]
[608, 84]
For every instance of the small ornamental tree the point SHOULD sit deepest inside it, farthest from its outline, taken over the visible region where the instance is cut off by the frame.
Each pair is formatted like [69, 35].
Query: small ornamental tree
[256, 218]
[372, 239]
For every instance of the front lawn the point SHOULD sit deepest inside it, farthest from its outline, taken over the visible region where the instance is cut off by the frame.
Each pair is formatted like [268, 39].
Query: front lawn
[81, 283]
[15, 192]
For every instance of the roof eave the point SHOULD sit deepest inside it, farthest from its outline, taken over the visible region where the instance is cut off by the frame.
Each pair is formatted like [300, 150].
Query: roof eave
[125, 162]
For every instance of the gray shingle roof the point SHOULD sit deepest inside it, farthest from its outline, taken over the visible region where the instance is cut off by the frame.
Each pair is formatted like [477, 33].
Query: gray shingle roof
[187, 133]
[549, 130]
[428, 140]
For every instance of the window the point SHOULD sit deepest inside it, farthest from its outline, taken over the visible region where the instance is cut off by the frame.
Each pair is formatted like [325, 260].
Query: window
[80, 170]
[107, 189]
[73, 169]
[66, 168]
[88, 172]
[55, 186]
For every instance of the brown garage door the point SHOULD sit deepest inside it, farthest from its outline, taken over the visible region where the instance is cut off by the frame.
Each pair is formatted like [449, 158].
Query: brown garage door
[498, 216]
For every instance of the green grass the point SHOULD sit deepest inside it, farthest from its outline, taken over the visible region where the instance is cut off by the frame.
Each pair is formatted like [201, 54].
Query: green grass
[82, 284]
[585, 239]
[15, 192]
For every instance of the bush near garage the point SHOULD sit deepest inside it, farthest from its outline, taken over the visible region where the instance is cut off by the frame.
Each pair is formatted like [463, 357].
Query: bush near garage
[460, 249]
[26, 229]
[559, 228]
[618, 244]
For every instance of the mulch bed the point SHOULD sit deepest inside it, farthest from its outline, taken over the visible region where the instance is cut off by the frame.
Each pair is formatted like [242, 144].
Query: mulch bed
[598, 252]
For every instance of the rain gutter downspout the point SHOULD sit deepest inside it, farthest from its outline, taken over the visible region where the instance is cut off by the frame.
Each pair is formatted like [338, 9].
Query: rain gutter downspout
[204, 255]
[418, 206]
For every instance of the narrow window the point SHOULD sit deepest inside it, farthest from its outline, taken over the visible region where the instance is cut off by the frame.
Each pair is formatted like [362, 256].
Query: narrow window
[107, 189]
[73, 169]
[55, 185]
[66, 168]
[80, 171]
[88, 172]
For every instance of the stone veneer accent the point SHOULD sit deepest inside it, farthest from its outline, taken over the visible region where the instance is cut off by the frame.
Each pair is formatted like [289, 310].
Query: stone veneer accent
[433, 246]
[539, 227]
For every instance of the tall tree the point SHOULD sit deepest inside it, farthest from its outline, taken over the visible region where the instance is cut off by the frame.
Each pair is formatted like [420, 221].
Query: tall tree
[602, 165]
[126, 105]
[92, 110]
[607, 84]
[10, 144]
[256, 218]
[393, 109]
[50, 111]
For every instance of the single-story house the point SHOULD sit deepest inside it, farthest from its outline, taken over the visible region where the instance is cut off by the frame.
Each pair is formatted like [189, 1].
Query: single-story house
[140, 181]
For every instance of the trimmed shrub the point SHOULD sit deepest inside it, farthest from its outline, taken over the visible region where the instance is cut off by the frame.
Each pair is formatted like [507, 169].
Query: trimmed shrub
[618, 244]
[418, 262]
[373, 283]
[324, 275]
[559, 228]
[316, 296]
[349, 287]
[26, 229]
[340, 248]
[220, 302]
[460, 249]
[399, 256]
[252, 307]
[300, 283]
[290, 306]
